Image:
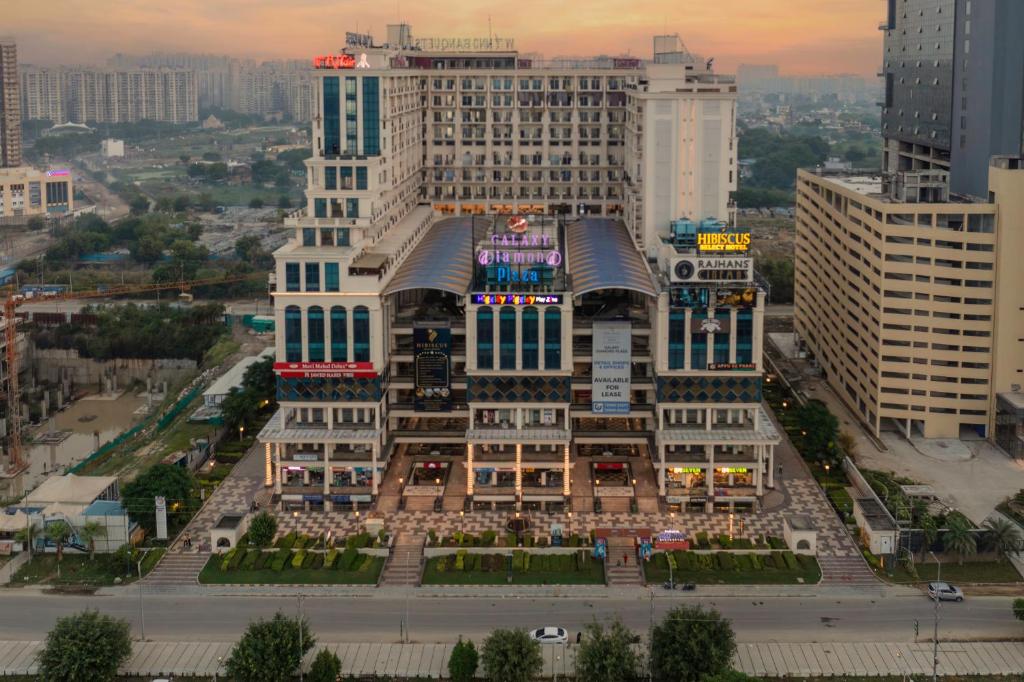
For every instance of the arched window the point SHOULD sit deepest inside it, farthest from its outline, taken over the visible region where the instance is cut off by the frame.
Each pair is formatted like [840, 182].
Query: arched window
[315, 329]
[293, 334]
[552, 338]
[361, 334]
[339, 334]
[507, 337]
[531, 329]
[485, 338]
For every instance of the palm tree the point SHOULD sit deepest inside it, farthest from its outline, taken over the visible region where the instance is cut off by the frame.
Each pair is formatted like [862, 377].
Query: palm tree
[89, 533]
[58, 533]
[25, 535]
[1003, 536]
[958, 538]
[930, 531]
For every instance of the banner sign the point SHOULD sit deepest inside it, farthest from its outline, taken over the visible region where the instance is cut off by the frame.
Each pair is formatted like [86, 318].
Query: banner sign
[718, 366]
[432, 355]
[708, 325]
[325, 370]
[517, 299]
[611, 367]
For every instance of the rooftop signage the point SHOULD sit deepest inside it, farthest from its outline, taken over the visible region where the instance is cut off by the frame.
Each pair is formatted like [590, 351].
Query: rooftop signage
[520, 247]
[340, 61]
[469, 44]
[723, 241]
[358, 39]
[57, 173]
[517, 299]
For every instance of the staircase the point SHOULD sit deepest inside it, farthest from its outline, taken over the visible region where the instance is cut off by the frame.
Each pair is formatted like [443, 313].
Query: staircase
[178, 568]
[616, 573]
[403, 566]
[849, 570]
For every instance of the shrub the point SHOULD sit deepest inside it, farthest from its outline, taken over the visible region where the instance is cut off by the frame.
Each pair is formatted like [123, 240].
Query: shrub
[367, 562]
[298, 558]
[806, 561]
[518, 560]
[488, 538]
[742, 561]
[463, 662]
[262, 529]
[702, 541]
[346, 559]
[510, 539]
[286, 541]
[776, 543]
[755, 562]
[742, 543]
[314, 560]
[85, 646]
[330, 558]
[778, 561]
[264, 559]
[475, 561]
[225, 562]
[790, 560]
[460, 560]
[724, 541]
[726, 561]
[432, 536]
[442, 564]
[359, 541]
[301, 542]
[326, 667]
[281, 557]
[249, 562]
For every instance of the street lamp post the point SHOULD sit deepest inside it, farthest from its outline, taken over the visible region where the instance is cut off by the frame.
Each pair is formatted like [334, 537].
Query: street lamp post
[142, 611]
[300, 638]
[935, 636]
[462, 522]
[241, 431]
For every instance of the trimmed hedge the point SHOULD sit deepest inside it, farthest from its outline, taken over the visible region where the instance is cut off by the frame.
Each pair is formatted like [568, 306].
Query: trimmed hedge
[298, 558]
[249, 562]
[330, 558]
[281, 557]
[347, 559]
[790, 560]
[225, 562]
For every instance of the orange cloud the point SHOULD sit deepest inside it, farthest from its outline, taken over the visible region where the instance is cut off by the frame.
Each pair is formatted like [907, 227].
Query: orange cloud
[802, 36]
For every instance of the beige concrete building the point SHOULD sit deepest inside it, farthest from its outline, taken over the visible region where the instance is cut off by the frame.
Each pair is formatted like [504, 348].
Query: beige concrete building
[27, 191]
[10, 105]
[911, 301]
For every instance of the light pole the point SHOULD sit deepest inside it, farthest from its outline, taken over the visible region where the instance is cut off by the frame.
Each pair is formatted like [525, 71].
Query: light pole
[142, 611]
[408, 590]
[935, 636]
[241, 430]
[300, 638]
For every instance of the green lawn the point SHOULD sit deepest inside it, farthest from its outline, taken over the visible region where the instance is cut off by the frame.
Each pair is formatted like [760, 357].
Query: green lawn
[78, 569]
[212, 575]
[592, 575]
[709, 573]
[968, 573]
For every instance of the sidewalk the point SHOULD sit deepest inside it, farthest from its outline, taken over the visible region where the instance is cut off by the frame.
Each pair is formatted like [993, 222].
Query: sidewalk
[153, 659]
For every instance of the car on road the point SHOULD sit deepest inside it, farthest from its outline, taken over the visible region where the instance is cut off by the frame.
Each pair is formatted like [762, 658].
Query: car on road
[550, 635]
[945, 592]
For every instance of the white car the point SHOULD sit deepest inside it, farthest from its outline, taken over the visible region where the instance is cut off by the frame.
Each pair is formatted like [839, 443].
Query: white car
[550, 635]
[945, 591]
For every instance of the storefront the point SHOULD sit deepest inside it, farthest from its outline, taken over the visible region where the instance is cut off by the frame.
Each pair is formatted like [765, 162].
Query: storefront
[429, 473]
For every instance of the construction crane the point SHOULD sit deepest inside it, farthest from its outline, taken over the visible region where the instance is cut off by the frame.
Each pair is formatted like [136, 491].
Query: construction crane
[16, 461]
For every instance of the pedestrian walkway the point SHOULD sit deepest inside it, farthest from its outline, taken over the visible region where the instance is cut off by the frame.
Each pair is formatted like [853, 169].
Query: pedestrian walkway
[365, 659]
[846, 570]
[621, 567]
[403, 566]
[178, 568]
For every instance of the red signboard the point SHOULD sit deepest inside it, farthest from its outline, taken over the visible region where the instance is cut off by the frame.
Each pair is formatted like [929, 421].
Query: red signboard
[609, 466]
[334, 61]
[325, 370]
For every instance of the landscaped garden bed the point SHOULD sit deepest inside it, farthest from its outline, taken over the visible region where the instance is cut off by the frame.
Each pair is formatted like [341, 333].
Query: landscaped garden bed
[464, 568]
[491, 538]
[732, 568]
[292, 566]
[78, 569]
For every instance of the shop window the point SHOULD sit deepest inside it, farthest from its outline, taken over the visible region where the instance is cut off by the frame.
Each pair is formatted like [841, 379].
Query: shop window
[485, 338]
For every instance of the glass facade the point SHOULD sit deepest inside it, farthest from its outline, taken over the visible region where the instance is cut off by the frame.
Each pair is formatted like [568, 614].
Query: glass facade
[312, 277]
[371, 115]
[351, 208]
[331, 279]
[677, 339]
[330, 177]
[339, 334]
[361, 334]
[293, 334]
[698, 343]
[351, 119]
[721, 353]
[485, 338]
[292, 278]
[309, 236]
[552, 338]
[319, 208]
[361, 179]
[507, 337]
[315, 330]
[332, 117]
[745, 336]
[531, 330]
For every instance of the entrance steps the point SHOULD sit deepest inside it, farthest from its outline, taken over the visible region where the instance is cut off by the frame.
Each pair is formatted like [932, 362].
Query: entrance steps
[403, 566]
[617, 573]
[846, 570]
[178, 568]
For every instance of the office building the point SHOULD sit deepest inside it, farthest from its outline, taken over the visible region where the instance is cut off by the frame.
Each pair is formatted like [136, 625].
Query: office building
[26, 191]
[10, 105]
[522, 300]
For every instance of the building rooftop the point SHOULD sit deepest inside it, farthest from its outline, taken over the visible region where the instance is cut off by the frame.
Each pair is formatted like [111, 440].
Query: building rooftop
[443, 259]
[875, 515]
[70, 489]
[800, 522]
[601, 255]
[233, 377]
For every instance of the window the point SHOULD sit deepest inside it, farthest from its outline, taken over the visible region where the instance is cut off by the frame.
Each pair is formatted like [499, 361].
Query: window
[339, 334]
[552, 338]
[293, 334]
[531, 327]
[292, 279]
[485, 338]
[330, 177]
[312, 277]
[351, 208]
[698, 343]
[332, 117]
[331, 280]
[721, 351]
[315, 330]
[361, 182]
[309, 236]
[745, 336]
[371, 115]
[507, 337]
[677, 339]
[351, 119]
[346, 177]
[319, 208]
[361, 334]
[343, 239]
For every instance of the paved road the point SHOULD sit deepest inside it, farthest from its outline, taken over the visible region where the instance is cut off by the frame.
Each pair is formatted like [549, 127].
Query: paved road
[27, 616]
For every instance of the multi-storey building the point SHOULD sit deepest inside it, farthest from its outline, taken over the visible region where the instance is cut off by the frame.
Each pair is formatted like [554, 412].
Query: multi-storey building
[26, 191]
[910, 299]
[469, 297]
[10, 105]
[42, 94]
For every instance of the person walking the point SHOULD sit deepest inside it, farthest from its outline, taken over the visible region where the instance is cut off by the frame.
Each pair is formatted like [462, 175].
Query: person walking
[625, 558]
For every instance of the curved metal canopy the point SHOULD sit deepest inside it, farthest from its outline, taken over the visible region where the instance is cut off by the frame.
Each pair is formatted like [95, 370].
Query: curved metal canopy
[602, 256]
[442, 260]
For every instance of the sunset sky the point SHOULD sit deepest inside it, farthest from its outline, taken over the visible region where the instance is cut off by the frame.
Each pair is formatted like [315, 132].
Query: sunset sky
[801, 36]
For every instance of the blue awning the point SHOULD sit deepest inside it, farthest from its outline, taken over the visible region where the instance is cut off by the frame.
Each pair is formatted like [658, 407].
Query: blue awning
[442, 260]
[602, 256]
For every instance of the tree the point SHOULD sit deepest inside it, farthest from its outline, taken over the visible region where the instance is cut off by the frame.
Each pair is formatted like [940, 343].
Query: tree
[26, 534]
[255, 202]
[930, 531]
[959, 539]
[779, 273]
[819, 429]
[161, 480]
[182, 202]
[511, 656]
[262, 529]
[239, 408]
[284, 202]
[147, 250]
[211, 156]
[138, 205]
[205, 202]
[1003, 537]
[85, 647]
[463, 662]
[730, 676]
[326, 667]
[607, 655]
[36, 223]
[690, 644]
[89, 533]
[58, 532]
[184, 158]
[270, 650]
[1018, 609]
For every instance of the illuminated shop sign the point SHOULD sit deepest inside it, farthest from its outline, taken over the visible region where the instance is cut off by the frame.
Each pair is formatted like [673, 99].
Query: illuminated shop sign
[453, 44]
[687, 470]
[58, 173]
[723, 241]
[432, 359]
[509, 251]
[325, 370]
[732, 470]
[517, 299]
[340, 61]
[713, 366]
[708, 269]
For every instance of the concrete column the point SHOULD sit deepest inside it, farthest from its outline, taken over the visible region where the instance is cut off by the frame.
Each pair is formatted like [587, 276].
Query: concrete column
[470, 476]
[709, 450]
[661, 469]
[375, 477]
[732, 335]
[328, 455]
[709, 417]
[45, 405]
[759, 470]
[277, 465]
[771, 465]
[687, 362]
[758, 328]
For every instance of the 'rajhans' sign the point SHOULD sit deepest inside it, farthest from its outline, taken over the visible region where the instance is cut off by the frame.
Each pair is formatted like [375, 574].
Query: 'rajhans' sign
[611, 358]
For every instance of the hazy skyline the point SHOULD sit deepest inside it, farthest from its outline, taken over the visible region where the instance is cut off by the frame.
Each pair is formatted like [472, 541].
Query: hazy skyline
[802, 36]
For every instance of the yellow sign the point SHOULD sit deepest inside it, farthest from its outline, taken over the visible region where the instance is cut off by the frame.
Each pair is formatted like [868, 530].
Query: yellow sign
[723, 241]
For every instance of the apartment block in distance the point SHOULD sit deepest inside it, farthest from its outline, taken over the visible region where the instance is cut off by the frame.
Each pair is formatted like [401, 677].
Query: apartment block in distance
[911, 300]
[10, 105]
[533, 301]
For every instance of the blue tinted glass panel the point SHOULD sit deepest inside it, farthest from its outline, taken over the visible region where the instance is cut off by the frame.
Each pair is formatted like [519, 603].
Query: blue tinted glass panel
[331, 279]
[293, 334]
[312, 277]
[319, 208]
[531, 329]
[292, 278]
[485, 338]
[507, 337]
[361, 181]
[677, 339]
[552, 338]
[361, 334]
[339, 334]
[309, 236]
[332, 117]
[315, 326]
[371, 115]
[330, 177]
